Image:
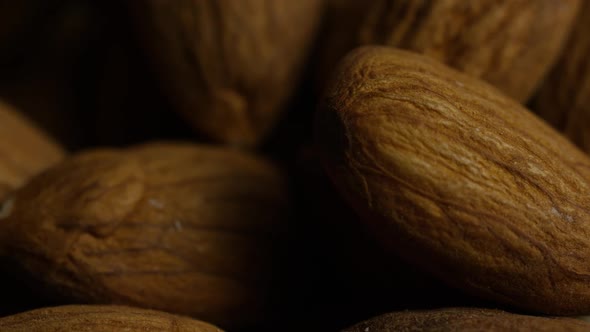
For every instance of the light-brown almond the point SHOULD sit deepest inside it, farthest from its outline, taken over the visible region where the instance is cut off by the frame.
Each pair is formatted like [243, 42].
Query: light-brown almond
[508, 43]
[97, 318]
[182, 228]
[466, 319]
[460, 180]
[24, 150]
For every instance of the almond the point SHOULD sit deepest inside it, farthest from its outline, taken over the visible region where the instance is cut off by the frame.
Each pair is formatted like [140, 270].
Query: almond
[564, 98]
[229, 65]
[181, 228]
[24, 150]
[95, 318]
[508, 43]
[466, 319]
[460, 180]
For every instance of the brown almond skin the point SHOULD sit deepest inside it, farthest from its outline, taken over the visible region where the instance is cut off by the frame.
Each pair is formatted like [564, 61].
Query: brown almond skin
[98, 318]
[228, 65]
[564, 98]
[25, 151]
[508, 43]
[460, 180]
[466, 319]
[182, 228]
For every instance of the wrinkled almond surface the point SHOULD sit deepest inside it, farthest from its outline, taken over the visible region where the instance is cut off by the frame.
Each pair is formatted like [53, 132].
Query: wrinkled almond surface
[508, 43]
[460, 180]
[182, 228]
[24, 150]
[96, 318]
[229, 65]
[466, 319]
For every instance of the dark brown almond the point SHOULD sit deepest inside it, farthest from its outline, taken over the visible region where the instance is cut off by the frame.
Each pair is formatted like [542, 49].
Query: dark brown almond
[508, 43]
[229, 65]
[564, 99]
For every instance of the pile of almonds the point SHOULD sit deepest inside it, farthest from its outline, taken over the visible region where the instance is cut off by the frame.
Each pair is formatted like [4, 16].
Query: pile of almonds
[311, 165]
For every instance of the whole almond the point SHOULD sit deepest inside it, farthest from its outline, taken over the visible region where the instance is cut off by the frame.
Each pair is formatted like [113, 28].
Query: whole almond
[229, 65]
[466, 319]
[460, 180]
[182, 228]
[508, 43]
[96, 318]
[564, 98]
[24, 150]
